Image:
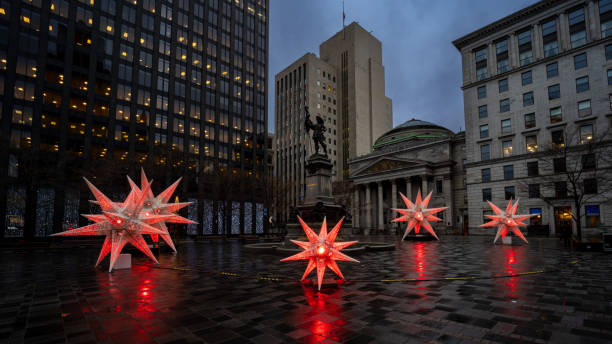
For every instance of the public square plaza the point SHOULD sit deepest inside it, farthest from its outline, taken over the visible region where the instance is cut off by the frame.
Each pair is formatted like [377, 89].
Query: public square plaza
[219, 292]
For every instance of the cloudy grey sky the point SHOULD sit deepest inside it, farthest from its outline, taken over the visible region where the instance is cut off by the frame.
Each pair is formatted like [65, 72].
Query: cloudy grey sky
[422, 67]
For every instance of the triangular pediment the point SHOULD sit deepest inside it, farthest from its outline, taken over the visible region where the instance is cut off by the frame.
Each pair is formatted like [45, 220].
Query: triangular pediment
[384, 164]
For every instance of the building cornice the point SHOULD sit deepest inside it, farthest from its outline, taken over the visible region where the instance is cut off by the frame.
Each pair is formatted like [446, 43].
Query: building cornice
[504, 23]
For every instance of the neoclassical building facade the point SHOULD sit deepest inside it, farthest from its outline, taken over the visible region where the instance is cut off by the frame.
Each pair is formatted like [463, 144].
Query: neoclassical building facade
[414, 155]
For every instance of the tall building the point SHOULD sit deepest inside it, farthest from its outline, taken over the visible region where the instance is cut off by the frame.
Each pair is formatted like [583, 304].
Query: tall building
[94, 87]
[346, 87]
[537, 95]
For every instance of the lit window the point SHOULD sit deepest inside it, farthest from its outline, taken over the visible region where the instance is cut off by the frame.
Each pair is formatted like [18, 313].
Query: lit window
[531, 143]
[507, 148]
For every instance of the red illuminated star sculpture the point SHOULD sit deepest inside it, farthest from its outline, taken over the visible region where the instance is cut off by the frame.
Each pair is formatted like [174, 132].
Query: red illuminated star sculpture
[506, 221]
[417, 214]
[121, 223]
[321, 250]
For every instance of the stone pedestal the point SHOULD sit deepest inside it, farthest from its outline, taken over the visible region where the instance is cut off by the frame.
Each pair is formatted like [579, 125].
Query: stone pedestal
[507, 240]
[318, 202]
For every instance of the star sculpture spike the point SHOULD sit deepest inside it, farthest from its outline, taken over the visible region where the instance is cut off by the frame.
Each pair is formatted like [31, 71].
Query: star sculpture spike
[158, 205]
[417, 214]
[321, 250]
[507, 220]
[121, 223]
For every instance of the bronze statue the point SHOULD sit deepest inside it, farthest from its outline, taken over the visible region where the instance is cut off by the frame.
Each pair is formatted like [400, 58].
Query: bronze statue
[318, 129]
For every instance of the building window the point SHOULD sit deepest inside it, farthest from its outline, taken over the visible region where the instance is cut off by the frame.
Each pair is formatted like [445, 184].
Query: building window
[584, 107]
[507, 148]
[609, 52]
[509, 172]
[486, 195]
[528, 98]
[485, 152]
[482, 111]
[586, 133]
[532, 169]
[577, 28]
[486, 213]
[506, 126]
[559, 165]
[481, 63]
[502, 85]
[534, 190]
[438, 186]
[590, 186]
[531, 143]
[524, 42]
[482, 92]
[526, 78]
[504, 105]
[592, 215]
[556, 115]
[549, 38]
[554, 92]
[485, 174]
[509, 192]
[537, 219]
[530, 121]
[588, 161]
[552, 69]
[484, 131]
[582, 84]
[605, 17]
[580, 61]
[558, 139]
[609, 76]
[560, 189]
[501, 50]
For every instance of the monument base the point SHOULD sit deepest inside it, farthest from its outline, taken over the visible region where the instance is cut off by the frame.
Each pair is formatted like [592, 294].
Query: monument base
[507, 240]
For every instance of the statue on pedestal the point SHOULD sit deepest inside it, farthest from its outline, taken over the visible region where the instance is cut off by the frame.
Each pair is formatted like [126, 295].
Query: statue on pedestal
[318, 129]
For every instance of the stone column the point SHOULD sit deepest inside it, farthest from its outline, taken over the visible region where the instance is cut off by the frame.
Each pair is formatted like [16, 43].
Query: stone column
[536, 42]
[393, 194]
[425, 187]
[367, 205]
[563, 33]
[393, 199]
[592, 18]
[409, 188]
[513, 52]
[356, 207]
[381, 224]
[448, 199]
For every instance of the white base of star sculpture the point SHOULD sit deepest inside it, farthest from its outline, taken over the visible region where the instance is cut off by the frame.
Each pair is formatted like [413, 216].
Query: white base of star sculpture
[507, 240]
[124, 261]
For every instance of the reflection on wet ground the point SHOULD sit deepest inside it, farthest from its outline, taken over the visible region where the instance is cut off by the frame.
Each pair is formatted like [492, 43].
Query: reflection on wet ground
[56, 296]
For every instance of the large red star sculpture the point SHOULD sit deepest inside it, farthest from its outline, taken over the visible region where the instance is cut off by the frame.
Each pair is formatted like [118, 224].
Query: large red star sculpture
[321, 250]
[506, 221]
[121, 223]
[417, 214]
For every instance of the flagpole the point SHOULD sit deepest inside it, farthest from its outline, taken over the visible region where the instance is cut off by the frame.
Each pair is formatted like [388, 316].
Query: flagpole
[343, 16]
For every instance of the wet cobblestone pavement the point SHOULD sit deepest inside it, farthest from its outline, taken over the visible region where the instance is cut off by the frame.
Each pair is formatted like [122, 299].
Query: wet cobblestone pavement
[56, 296]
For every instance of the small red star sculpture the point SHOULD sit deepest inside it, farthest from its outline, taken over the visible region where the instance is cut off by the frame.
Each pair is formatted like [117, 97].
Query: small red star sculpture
[321, 250]
[506, 220]
[417, 214]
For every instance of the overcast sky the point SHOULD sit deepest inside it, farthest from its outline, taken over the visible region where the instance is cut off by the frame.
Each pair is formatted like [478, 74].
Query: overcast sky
[422, 67]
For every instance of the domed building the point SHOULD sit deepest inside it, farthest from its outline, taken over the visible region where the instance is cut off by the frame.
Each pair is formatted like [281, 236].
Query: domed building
[414, 155]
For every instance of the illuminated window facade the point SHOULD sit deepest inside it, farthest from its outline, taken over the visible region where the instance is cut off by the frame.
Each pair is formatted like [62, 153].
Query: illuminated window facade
[123, 80]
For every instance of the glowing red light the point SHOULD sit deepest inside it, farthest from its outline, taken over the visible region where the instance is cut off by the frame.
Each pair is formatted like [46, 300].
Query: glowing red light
[508, 221]
[118, 221]
[321, 250]
[147, 213]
